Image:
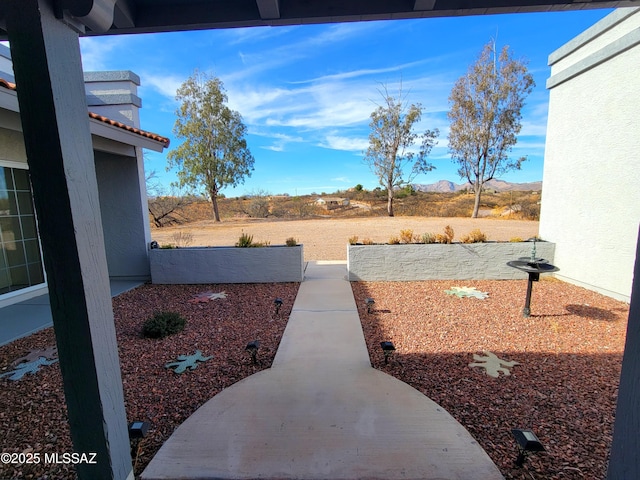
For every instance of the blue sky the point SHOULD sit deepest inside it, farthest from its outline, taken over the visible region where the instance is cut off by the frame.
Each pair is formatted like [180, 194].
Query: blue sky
[306, 92]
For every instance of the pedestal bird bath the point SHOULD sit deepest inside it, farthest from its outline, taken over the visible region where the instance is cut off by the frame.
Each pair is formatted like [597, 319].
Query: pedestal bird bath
[533, 266]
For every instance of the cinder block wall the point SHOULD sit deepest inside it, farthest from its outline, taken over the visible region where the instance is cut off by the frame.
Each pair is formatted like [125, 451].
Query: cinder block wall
[457, 261]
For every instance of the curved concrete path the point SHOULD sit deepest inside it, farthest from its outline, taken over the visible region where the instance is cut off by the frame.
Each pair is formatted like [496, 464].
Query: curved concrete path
[321, 411]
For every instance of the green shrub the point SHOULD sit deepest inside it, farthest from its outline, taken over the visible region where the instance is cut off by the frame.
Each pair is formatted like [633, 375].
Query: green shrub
[245, 241]
[163, 324]
[291, 242]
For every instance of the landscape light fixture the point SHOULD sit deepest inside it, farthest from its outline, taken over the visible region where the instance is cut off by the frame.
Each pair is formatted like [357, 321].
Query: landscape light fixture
[252, 349]
[278, 303]
[527, 442]
[369, 302]
[387, 348]
[137, 431]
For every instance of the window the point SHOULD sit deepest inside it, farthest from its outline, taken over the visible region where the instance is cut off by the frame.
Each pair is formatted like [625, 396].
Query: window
[20, 258]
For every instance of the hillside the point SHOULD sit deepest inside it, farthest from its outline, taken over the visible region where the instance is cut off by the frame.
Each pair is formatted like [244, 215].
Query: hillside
[446, 186]
[510, 204]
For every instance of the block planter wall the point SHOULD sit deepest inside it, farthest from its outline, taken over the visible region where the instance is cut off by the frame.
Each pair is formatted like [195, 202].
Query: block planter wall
[456, 261]
[195, 265]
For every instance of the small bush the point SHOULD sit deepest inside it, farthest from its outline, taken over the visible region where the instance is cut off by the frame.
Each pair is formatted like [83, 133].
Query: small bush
[475, 236]
[167, 246]
[163, 324]
[515, 239]
[428, 238]
[406, 236]
[440, 238]
[291, 242]
[394, 240]
[353, 240]
[367, 241]
[245, 241]
[182, 239]
[448, 234]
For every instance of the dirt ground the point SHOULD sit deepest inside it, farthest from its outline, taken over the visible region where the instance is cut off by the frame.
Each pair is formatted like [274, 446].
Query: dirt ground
[327, 239]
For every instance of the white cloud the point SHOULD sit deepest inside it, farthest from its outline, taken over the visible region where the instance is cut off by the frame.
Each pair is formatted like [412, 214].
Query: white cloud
[350, 144]
[98, 51]
[165, 84]
[275, 148]
[362, 72]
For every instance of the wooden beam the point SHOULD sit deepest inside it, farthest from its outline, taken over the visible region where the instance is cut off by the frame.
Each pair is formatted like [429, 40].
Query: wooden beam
[624, 461]
[124, 16]
[51, 95]
[422, 5]
[95, 14]
[269, 9]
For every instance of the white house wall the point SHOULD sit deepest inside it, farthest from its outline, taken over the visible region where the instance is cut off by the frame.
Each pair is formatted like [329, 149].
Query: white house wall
[591, 195]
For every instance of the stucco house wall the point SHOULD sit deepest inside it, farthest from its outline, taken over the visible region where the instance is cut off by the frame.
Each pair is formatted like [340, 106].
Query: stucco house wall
[119, 170]
[591, 195]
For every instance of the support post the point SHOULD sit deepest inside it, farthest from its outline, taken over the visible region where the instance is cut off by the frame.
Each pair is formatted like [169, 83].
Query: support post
[48, 71]
[624, 462]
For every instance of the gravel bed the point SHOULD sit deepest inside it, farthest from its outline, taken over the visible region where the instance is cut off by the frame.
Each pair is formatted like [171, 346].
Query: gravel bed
[564, 388]
[32, 411]
[569, 350]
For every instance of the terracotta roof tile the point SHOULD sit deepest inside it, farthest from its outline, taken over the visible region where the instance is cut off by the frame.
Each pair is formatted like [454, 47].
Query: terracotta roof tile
[101, 118]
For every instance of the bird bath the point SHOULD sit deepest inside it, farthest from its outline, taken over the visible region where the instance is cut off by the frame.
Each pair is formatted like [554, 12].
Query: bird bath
[533, 266]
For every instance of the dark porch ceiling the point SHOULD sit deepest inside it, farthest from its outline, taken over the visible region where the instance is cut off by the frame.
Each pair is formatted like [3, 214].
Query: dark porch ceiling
[141, 16]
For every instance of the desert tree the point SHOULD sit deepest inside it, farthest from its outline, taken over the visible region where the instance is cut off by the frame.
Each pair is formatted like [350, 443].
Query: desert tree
[485, 113]
[165, 208]
[391, 155]
[214, 153]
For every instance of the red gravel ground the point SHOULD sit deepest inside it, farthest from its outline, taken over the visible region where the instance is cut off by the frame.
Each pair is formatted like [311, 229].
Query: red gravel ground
[570, 352]
[565, 388]
[32, 412]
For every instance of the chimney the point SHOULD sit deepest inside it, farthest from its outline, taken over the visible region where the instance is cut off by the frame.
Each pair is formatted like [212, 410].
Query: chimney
[114, 95]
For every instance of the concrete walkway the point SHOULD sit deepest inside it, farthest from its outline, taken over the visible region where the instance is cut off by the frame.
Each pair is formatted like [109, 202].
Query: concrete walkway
[321, 411]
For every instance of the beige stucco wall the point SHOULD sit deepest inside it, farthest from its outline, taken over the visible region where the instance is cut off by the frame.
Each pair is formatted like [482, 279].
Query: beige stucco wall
[591, 182]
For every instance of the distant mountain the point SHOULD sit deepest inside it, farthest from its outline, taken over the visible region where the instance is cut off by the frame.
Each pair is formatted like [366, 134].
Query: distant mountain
[445, 186]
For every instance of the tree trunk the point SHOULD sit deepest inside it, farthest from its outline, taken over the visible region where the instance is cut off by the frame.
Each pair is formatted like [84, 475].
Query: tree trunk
[214, 202]
[390, 201]
[476, 205]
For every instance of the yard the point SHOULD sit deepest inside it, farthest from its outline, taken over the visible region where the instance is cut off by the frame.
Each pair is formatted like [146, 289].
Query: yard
[564, 388]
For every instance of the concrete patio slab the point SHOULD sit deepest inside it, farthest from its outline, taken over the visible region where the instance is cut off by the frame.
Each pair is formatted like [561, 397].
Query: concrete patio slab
[32, 315]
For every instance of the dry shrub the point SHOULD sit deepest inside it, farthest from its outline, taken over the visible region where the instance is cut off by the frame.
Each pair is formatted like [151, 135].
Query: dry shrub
[367, 241]
[475, 236]
[353, 240]
[394, 240]
[182, 239]
[406, 236]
